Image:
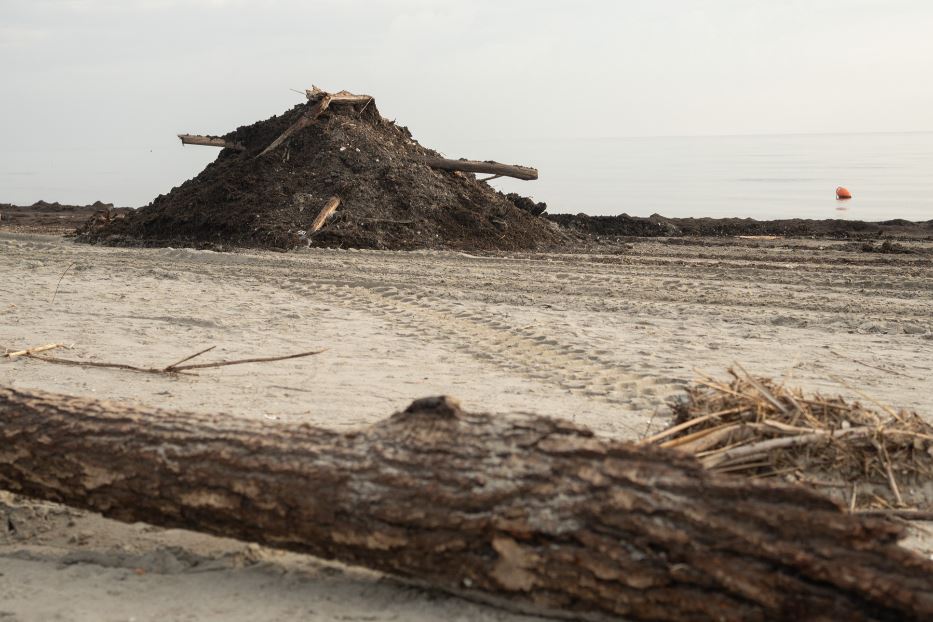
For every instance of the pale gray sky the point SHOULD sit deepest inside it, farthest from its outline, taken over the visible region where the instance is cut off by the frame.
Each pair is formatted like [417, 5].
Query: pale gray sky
[95, 90]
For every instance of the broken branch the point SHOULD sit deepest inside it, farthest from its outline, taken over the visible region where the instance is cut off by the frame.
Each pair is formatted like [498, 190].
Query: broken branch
[306, 119]
[332, 204]
[210, 141]
[174, 368]
[340, 97]
[472, 166]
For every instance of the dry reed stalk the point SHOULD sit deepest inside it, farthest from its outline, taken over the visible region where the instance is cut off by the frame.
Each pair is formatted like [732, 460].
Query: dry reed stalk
[761, 428]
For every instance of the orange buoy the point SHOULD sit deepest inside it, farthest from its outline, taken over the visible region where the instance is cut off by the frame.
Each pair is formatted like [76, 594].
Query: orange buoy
[843, 193]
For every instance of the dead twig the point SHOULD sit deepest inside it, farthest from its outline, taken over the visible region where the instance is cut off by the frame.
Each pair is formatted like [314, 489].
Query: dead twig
[187, 358]
[61, 361]
[886, 459]
[252, 360]
[65, 271]
[878, 367]
[31, 351]
[761, 389]
[174, 368]
[687, 424]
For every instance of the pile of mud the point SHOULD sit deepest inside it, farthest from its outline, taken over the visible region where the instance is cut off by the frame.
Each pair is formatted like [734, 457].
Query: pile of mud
[389, 199]
[659, 226]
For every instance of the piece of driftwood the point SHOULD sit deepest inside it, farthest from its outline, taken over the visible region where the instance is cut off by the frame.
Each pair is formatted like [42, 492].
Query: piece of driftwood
[534, 512]
[332, 204]
[210, 141]
[472, 166]
[307, 118]
[340, 97]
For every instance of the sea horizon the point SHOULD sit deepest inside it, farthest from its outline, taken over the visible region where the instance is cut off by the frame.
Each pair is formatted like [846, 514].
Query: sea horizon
[760, 176]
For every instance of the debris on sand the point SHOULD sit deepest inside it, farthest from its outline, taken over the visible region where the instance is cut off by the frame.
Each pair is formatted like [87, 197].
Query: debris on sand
[52, 218]
[866, 459]
[272, 179]
[886, 247]
[656, 225]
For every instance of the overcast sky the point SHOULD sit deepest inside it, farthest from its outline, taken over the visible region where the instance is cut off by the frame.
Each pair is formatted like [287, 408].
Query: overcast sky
[94, 91]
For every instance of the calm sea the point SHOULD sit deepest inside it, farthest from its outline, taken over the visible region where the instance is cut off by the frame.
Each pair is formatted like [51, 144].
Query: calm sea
[789, 176]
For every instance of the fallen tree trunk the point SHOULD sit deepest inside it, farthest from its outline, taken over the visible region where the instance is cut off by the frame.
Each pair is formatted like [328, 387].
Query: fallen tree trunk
[535, 510]
[210, 141]
[472, 166]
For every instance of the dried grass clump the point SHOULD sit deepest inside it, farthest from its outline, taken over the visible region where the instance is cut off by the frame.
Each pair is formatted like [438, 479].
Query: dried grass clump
[758, 427]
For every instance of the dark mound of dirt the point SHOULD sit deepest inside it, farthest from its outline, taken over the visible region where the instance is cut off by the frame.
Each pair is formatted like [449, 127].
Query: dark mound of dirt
[659, 226]
[389, 198]
[887, 247]
[44, 217]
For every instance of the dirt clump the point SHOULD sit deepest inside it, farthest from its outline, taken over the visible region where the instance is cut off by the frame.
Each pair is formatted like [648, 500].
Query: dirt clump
[389, 198]
[51, 218]
[659, 226]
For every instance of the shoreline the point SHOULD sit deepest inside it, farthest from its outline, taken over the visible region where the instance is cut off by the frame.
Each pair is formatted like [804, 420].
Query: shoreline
[58, 219]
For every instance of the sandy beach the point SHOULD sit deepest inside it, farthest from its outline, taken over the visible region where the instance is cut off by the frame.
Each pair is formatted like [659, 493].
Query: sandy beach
[605, 340]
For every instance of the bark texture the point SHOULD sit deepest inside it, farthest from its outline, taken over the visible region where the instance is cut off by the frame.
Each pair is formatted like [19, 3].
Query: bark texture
[535, 510]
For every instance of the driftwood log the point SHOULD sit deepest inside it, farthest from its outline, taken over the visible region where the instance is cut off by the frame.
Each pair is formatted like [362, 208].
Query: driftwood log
[525, 173]
[534, 511]
[340, 97]
[210, 141]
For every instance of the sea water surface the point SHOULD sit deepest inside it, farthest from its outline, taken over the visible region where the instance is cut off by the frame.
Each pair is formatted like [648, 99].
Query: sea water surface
[765, 177]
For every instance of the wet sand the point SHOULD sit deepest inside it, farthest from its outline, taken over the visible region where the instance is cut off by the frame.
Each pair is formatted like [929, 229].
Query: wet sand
[604, 339]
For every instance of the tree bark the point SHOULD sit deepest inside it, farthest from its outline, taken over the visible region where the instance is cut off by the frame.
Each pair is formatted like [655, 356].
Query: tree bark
[472, 166]
[535, 510]
[209, 141]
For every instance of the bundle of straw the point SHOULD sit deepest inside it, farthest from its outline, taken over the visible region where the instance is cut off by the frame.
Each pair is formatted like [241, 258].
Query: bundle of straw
[760, 428]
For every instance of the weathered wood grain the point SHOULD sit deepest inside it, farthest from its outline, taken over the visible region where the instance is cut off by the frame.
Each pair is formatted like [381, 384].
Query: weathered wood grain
[533, 510]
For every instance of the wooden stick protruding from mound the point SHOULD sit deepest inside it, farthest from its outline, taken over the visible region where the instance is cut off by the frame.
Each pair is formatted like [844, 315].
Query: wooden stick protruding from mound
[537, 513]
[525, 173]
[303, 121]
[340, 97]
[322, 101]
[332, 204]
[210, 141]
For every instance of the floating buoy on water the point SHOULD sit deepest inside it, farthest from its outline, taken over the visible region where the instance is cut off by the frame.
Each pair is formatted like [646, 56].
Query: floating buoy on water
[843, 193]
